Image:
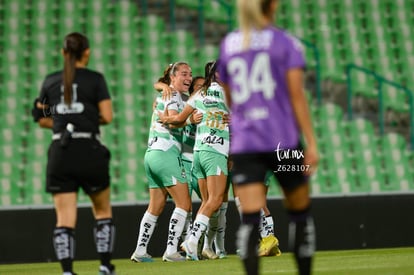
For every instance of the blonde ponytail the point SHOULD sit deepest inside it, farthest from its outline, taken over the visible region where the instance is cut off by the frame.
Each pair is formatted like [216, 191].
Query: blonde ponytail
[250, 16]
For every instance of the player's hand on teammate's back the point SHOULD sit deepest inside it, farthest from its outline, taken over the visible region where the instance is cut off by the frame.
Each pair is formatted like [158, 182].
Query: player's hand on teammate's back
[196, 117]
[166, 92]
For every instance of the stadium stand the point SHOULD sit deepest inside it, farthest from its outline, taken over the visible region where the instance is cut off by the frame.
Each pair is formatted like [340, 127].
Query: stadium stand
[373, 34]
[132, 50]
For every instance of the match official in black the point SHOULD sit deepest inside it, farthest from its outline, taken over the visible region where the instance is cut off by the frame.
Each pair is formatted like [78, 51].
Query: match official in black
[78, 101]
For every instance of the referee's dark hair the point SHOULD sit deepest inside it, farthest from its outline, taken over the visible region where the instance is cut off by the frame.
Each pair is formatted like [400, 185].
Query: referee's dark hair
[73, 47]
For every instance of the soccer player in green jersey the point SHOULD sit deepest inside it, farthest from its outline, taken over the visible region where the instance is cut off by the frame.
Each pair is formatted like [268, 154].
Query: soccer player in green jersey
[165, 171]
[210, 151]
[188, 141]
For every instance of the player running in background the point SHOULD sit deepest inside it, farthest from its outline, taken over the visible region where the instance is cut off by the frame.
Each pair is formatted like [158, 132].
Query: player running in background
[262, 71]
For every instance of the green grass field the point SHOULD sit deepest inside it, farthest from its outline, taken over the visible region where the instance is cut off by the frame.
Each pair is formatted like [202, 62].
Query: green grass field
[349, 262]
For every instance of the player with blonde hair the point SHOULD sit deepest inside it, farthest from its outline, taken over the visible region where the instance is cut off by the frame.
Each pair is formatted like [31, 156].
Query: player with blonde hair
[261, 68]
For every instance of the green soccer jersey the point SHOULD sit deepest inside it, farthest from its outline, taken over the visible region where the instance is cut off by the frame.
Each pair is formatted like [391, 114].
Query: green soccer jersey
[189, 132]
[161, 137]
[212, 133]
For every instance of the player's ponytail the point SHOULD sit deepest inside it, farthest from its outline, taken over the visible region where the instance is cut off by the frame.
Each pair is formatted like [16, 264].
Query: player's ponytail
[251, 16]
[68, 76]
[209, 74]
[73, 47]
[165, 78]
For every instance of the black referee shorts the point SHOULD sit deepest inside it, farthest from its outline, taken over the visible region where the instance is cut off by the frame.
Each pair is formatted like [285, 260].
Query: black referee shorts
[83, 163]
[286, 165]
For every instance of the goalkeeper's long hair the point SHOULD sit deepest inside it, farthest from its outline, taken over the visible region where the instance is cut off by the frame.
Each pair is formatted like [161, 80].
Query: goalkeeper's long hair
[74, 45]
[252, 15]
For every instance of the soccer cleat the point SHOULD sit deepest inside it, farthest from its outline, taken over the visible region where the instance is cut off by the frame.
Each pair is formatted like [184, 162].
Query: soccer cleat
[275, 251]
[191, 250]
[267, 244]
[209, 254]
[175, 257]
[222, 254]
[107, 270]
[145, 258]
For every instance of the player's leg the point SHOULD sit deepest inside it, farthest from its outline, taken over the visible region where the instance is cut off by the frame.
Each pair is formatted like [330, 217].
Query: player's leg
[268, 224]
[191, 185]
[96, 185]
[247, 175]
[295, 186]
[202, 188]
[207, 251]
[215, 167]
[148, 223]
[269, 244]
[181, 197]
[64, 191]
[187, 226]
[175, 182]
[192, 244]
[199, 174]
[104, 230]
[264, 227]
[219, 240]
[64, 232]
[252, 197]
[215, 187]
[237, 200]
[196, 189]
[206, 240]
[221, 227]
[158, 196]
[301, 227]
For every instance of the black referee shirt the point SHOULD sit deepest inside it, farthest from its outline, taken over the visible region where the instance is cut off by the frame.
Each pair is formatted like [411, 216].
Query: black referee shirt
[89, 88]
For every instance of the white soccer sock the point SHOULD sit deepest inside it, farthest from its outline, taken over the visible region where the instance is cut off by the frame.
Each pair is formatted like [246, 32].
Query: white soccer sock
[146, 229]
[238, 206]
[262, 224]
[211, 231]
[221, 230]
[187, 226]
[269, 226]
[176, 227]
[199, 227]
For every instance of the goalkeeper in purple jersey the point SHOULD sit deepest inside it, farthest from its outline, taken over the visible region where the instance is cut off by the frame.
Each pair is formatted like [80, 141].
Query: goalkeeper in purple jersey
[262, 70]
